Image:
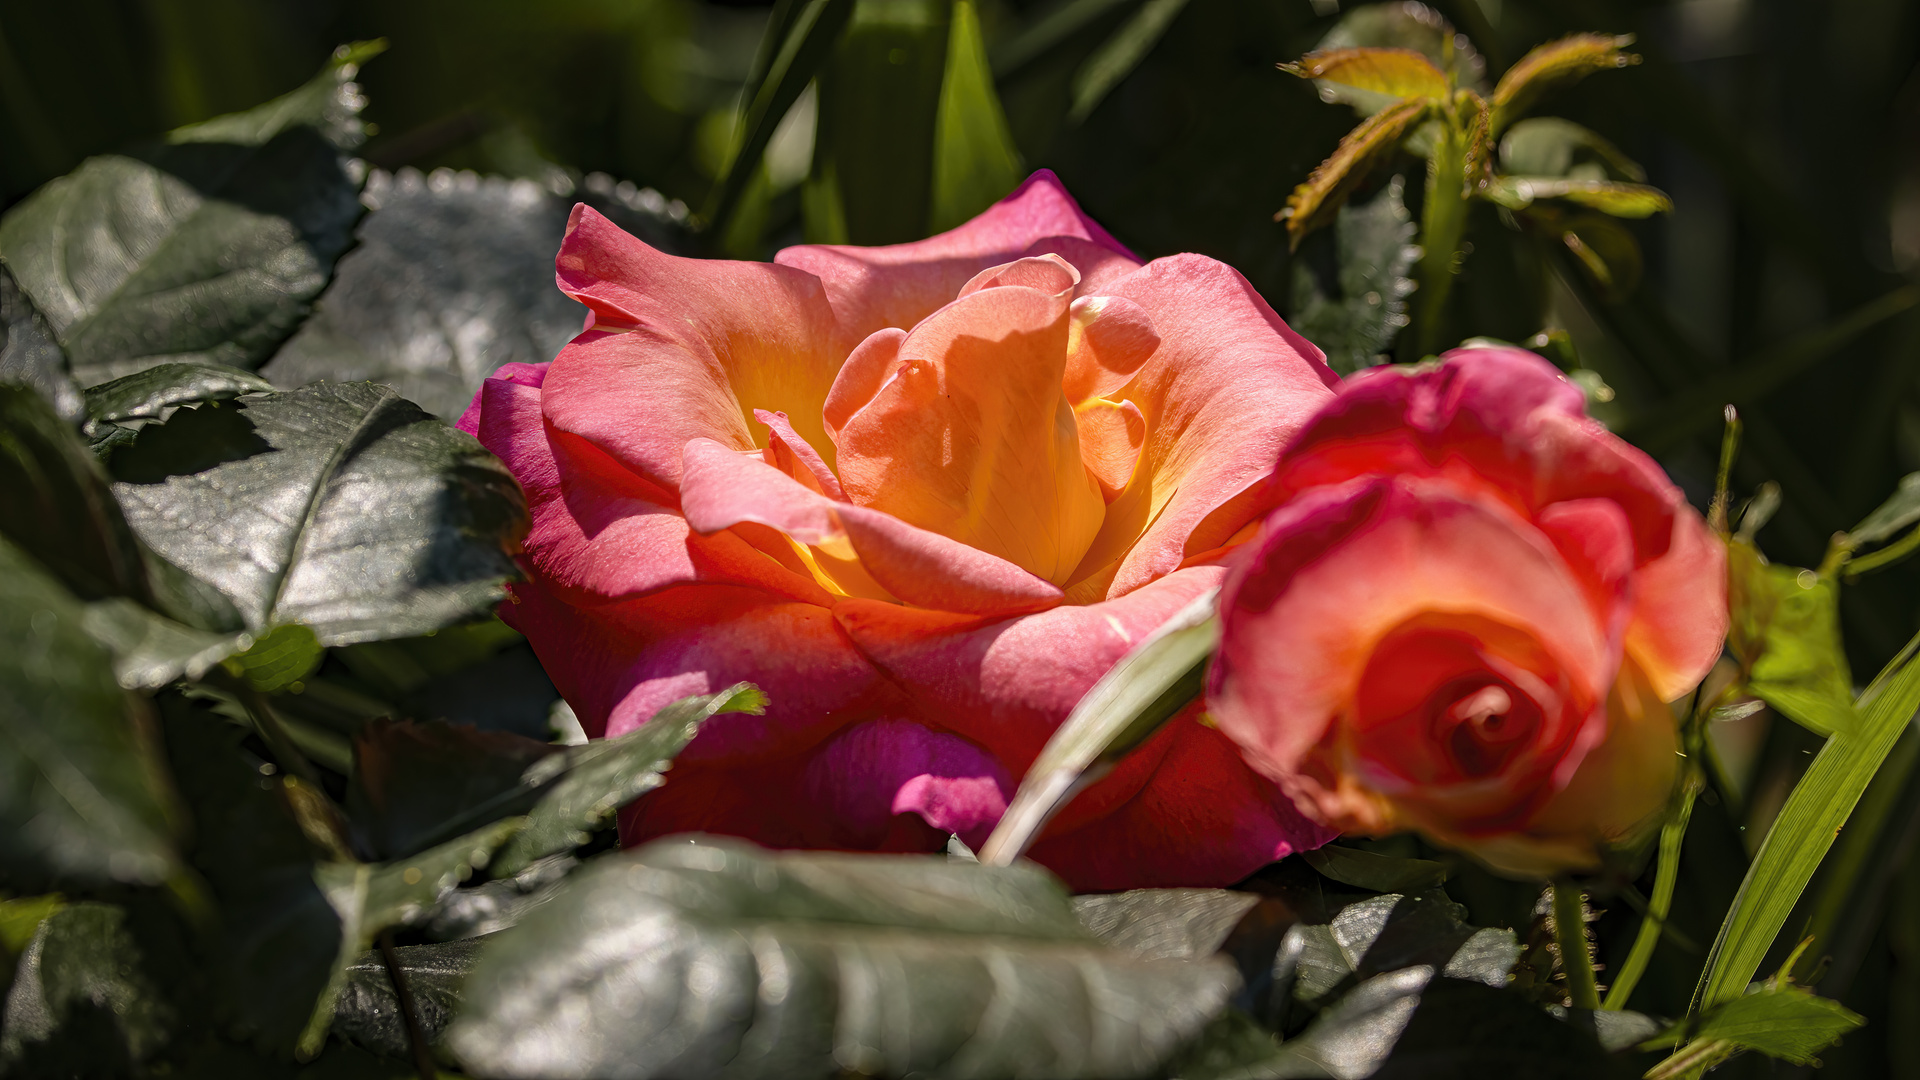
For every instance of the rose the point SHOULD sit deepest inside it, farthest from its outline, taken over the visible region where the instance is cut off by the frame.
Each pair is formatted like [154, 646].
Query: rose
[924, 495]
[1467, 614]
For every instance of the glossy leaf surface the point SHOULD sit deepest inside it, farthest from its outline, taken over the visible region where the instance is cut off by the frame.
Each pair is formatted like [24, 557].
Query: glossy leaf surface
[193, 252]
[343, 508]
[714, 958]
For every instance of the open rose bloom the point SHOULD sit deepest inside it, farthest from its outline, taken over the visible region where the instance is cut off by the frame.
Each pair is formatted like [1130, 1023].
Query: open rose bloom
[1467, 617]
[923, 495]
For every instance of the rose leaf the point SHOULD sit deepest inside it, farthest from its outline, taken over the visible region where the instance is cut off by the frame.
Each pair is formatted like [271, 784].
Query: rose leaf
[446, 283]
[692, 956]
[1374, 255]
[29, 353]
[343, 508]
[367, 1012]
[85, 798]
[416, 784]
[85, 1000]
[588, 783]
[206, 252]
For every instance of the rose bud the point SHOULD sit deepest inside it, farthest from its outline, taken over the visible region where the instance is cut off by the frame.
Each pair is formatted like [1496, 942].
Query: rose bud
[1468, 615]
[925, 496]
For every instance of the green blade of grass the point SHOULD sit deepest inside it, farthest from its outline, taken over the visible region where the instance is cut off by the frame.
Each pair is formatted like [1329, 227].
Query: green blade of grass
[1806, 829]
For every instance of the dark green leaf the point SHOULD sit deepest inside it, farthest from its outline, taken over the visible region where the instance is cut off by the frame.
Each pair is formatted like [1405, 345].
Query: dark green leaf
[481, 674]
[81, 793]
[710, 958]
[602, 776]
[55, 504]
[1117, 56]
[975, 161]
[497, 903]
[1700, 405]
[1374, 254]
[1383, 934]
[149, 394]
[1467, 1030]
[29, 355]
[194, 252]
[343, 508]
[274, 938]
[1164, 924]
[330, 103]
[1131, 701]
[1375, 872]
[57, 507]
[150, 650]
[367, 1012]
[417, 784]
[446, 283]
[1550, 146]
[1785, 631]
[83, 1002]
[370, 898]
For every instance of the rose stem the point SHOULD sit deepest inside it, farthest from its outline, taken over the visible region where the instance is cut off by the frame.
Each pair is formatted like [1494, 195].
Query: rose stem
[409, 1012]
[1570, 927]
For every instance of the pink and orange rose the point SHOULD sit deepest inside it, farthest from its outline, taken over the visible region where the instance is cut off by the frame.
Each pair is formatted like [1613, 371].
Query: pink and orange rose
[1467, 617]
[925, 495]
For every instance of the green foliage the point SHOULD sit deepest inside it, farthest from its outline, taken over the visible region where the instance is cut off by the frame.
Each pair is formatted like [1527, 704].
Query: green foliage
[343, 508]
[168, 276]
[82, 798]
[819, 963]
[1806, 828]
[595, 780]
[1774, 1018]
[329, 103]
[152, 393]
[29, 355]
[1785, 632]
[84, 1001]
[974, 159]
[1374, 253]
[204, 251]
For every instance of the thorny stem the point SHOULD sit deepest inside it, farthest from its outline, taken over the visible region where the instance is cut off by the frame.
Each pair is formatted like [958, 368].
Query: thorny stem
[423, 1062]
[1570, 929]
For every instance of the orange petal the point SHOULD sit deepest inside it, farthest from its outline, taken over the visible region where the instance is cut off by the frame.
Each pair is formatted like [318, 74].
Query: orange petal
[1108, 340]
[973, 439]
[1047, 273]
[861, 377]
[1111, 435]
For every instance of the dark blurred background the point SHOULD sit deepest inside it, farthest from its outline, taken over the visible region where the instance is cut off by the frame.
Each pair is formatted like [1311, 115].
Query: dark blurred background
[1786, 131]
